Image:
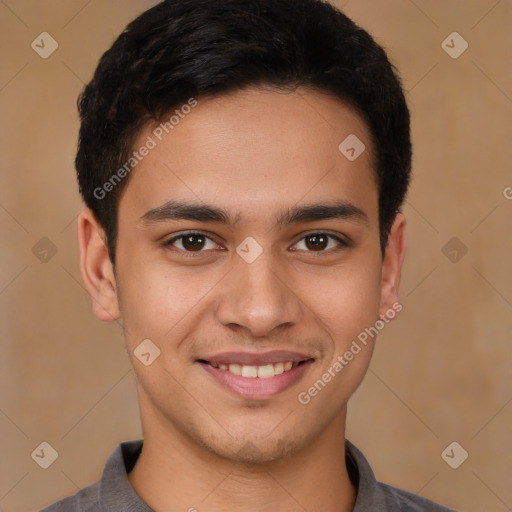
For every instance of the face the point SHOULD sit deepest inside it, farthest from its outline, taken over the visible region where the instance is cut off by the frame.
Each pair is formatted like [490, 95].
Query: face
[249, 243]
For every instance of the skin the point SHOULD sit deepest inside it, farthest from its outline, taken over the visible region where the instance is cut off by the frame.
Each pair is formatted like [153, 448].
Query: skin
[254, 153]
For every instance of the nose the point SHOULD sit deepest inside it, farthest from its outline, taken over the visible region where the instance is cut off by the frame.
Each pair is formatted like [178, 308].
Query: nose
[258, 297]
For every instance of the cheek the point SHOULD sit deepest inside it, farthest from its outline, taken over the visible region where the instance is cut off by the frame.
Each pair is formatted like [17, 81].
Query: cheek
[345, 303]
[161, 302]
[347, 299]
[158, 302]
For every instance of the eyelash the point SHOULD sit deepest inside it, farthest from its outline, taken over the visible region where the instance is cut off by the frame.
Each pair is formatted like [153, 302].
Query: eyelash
[169, 243]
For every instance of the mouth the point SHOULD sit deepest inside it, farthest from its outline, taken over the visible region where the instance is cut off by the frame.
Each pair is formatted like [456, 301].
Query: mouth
[256, 376]
[266, 371]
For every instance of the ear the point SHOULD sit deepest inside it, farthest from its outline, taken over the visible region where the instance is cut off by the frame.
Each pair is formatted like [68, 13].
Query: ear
[96, 268]
[392, 265]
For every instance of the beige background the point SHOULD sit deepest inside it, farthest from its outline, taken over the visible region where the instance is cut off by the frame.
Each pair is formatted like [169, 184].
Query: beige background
[441, 373]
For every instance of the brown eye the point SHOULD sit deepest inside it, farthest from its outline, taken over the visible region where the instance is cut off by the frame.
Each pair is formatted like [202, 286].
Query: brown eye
[193, 242]
[190, 242]
[316, 242]
[319, 242]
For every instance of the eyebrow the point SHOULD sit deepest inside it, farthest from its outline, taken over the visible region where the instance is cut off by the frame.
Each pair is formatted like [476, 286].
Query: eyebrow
[202, 212]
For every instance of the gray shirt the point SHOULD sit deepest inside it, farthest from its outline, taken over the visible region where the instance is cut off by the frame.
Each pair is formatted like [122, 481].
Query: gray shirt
[114, 493]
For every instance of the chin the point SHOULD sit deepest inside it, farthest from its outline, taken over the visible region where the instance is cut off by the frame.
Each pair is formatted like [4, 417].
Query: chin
[248, 450]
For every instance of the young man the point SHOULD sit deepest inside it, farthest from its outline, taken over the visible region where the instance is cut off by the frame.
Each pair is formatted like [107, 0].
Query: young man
[243, 164]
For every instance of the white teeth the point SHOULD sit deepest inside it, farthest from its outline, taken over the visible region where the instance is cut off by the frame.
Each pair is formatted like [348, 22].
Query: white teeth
[236, 369]
[249, 371]
[278, 368]
[263, 372]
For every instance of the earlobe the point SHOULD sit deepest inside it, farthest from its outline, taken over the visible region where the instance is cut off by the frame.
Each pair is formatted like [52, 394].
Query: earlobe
[96, 268]
[392, 265]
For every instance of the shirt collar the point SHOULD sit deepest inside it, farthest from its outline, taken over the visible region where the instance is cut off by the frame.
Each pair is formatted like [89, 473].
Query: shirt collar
[370, 494]
[116, 492]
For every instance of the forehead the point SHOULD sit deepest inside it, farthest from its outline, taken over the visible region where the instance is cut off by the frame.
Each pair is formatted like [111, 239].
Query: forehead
[252, 151]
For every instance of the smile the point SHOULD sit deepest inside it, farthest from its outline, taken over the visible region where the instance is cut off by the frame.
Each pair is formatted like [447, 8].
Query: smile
[263, 372]
[256, 382]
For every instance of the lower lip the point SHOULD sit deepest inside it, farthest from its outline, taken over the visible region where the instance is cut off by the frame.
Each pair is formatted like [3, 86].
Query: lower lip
[255, 387]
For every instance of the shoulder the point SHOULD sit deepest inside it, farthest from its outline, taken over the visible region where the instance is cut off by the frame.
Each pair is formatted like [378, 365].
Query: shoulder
[84, 500]
[409, 502]
[377, 496]
[113, 490]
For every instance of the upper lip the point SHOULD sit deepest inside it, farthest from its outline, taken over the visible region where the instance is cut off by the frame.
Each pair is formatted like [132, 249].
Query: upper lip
[256, 358]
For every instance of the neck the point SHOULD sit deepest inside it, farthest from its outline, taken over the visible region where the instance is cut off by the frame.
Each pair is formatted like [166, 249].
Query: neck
[175, 473]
